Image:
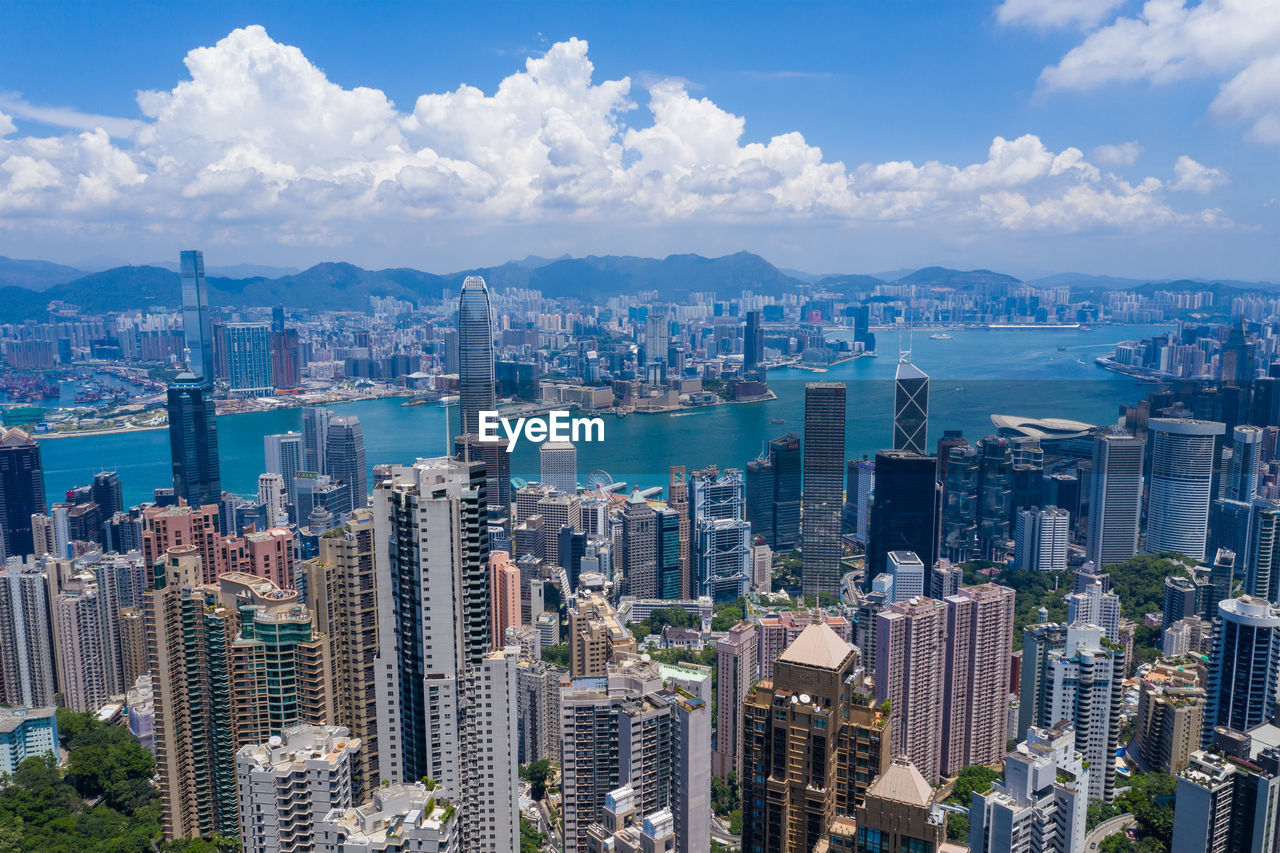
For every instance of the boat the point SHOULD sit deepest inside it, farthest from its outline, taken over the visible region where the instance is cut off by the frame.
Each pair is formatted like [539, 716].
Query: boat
[940, 336]
[619, 414]
[777, 420]
[446, 402]
[1062, 349]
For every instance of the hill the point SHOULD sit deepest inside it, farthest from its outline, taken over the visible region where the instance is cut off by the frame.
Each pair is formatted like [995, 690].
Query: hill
[35, 275]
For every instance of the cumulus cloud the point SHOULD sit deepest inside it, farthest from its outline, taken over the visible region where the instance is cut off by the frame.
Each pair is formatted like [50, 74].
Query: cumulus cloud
[1124, 154]
[1191, 176]
[1054, 14]
[259, 140]
[1172, 40]
[6, 125]
[68, 118]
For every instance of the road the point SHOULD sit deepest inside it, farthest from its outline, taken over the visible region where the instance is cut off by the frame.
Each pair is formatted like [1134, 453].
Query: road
[1119, 823]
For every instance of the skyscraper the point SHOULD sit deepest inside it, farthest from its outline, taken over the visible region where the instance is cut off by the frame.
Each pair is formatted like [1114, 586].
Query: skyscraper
[995, 496]
[1244, 665]
[559, 466]
[911, 645]
[315, 434]
[910, 407]
[283, 456]
[737, 668]
[976, 702]
[1116, 499]
[21, 492]
[721, 533]
[107, 493]
[1040, 539]
[193, 441]
[753, 342]
[197, 324]
[905, 511]
[657, 340]
[640, 547]
[249, 360]
[1246, 458]
[960, 504]
[824, 419]
[1181, 485]
[475, 353]
[344, 456]
[28, 676]
[1086, 688]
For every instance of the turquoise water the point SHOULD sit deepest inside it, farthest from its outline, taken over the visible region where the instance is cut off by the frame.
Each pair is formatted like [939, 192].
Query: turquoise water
[975, 374]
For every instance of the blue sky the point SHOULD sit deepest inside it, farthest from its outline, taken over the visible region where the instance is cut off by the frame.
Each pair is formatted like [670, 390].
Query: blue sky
[1030, 136]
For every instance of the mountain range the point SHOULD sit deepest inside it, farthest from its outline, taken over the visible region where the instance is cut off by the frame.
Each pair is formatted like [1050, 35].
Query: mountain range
[28, 286]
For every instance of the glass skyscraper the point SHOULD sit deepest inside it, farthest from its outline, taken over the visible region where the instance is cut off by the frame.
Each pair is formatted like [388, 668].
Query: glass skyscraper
[197, 325]
[910, 407]
[21, 491]
[475, 353]
[823, 496]
[193, 425]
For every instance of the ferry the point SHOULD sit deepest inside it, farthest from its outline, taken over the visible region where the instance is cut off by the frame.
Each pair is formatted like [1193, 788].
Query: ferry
[446, 402]
[1037, 326]
[940, 336]
[777, 421]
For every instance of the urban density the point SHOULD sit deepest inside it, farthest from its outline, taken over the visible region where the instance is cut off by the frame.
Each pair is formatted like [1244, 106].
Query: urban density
[608, 553]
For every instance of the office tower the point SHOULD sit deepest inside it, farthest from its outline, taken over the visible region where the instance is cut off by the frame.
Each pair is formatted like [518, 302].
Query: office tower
[527, 498]
[1040, 642]
[193, 440]
[1246, 458]
[787, 460]
[165, 527]
[1243, 666]
[28, 676]
[1115, 502]
[657, 340]
[504, 597]
[233, 664]
[1092, 606]
[315, 436]
[824, 418]
[1181, 485]
[1238, 356]
[287, 785]
[283, 455]
[342, 597]
[344, 457]
[249, 360]
[1040, 539]
[910, 407]
[285, 358]
[898, 813]
[402, 818]
[107, 493]
[197, 325]
[960, 504]
[907, 574]
[995, 496]
[672, 578]
[753, 342]
[21, 491]
[1042, 803]
[27, 733]
[819, 761]
[1233, 525]
[475, 354]
[559, 464]
[737, 668]
[1183, 597]
[558, 511]
[277, 318]
[497, 467]
[905, 511]
[1170, 718]
[1086, 687]
[596, 636]
[761, 568]
[721, 533]
[975, 703]
[433, 634]
[677, 500]
[759, 490]
[640, 547]
[78, 644]
[538, 695]
[274, 499]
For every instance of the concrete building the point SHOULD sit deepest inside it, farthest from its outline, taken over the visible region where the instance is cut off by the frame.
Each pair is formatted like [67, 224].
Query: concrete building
[898, 814]
[1243, 667]
[28, 676]
[779, 630]
[596, 636]
[908, 574]
[1115, 503]
[1086, 686]
[737, 670]
[78, 642]
[504, 597]
[538, 697]
[1181, 485]
[1040, 539]
[823, 484]
[1226, 804]
[1096, 606]
[911, 646]
[976, 700]
[286, 786]
[26, 733]
[1171, 698]
[400, 818]
[559, 466]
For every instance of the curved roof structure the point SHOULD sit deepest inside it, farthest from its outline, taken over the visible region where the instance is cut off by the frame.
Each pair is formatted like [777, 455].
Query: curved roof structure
[1050, 429]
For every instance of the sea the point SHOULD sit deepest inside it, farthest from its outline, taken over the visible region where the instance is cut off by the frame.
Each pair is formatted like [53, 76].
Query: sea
[974, 374]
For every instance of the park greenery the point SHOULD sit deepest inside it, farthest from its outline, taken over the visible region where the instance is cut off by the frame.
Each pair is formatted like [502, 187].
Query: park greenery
[969, 780]
[1149, 797]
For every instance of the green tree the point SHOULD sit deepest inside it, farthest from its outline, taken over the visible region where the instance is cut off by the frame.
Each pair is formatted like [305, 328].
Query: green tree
[557, 654]
[537, 772]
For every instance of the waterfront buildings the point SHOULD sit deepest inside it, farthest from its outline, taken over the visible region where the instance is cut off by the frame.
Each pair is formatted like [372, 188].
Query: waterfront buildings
[193, 440]
[558, 463]
[344, 457]
[248, 348]
[475, 353]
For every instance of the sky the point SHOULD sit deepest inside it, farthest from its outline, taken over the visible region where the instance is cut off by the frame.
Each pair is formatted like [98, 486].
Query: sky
[1025, 136]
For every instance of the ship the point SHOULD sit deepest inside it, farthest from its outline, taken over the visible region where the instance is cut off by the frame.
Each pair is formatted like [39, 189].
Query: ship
[940, 336]
[446, 402]
[777, 421]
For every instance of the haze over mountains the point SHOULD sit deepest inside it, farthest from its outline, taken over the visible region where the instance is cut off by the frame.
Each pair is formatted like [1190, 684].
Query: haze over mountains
[28, 286]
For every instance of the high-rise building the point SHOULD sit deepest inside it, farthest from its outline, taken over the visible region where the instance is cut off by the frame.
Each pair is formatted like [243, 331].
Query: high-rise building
[401, 818]
[504, 597]
[21, 492]
[1040, 539]
[497, 468]
[284, 358]
[27, 733]
[721, 533]
[1170, 718]
[1243, 667]
[905, 510]
[673, 580]
[193, 440]
[559, 464]
[1181, 485]
[657, 340]
[908, 575]
[995, 496]
[976, 702]
[677, 500]
[737, 669]
[440, 690]
[287, 785]
[197, 324]
[1094, 604]
[164, 527]
[1246, 459]
[342, 597]
[814, 742]
[78, 632]
[538, 694]
[1115, 503]
[753, 342]
[898, 813]
[596, 636]
[823, 497]
[960, 504]
[249, 360]
[315, 436]
[1086, 688]
[1227, 802]
[283, 455]
[1040, 643]
[28, 676]
[1041, 804]
[344, 457]
[475, 353]
[910, 407]
[107, 493]
[640, 547]
[860, 480]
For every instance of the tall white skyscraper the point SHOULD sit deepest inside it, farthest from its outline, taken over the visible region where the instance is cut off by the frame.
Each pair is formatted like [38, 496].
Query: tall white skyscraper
[559, 463]
[1246, 458]
[274, 498]
[1116, 501]
[78, 642]
[283, 455]
[1086, 686]
[1181, 485]
[1040, 539]
[27, 674]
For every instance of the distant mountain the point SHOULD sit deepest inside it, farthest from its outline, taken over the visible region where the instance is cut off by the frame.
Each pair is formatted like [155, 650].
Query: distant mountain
[35, 275]
[943, 277]
[1083, 281]
[235, 270]
[850, 282]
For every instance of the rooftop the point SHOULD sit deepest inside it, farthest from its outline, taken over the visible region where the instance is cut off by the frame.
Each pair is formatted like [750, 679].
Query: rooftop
[817, 646]
[902, 783]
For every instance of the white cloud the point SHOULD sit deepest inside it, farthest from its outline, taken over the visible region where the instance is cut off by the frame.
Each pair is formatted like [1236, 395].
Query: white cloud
[1171, 40]
[1054, 14]
[1124, 154]
[1191, 176]
[121, 128]
[260, 142]
[6, 125]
